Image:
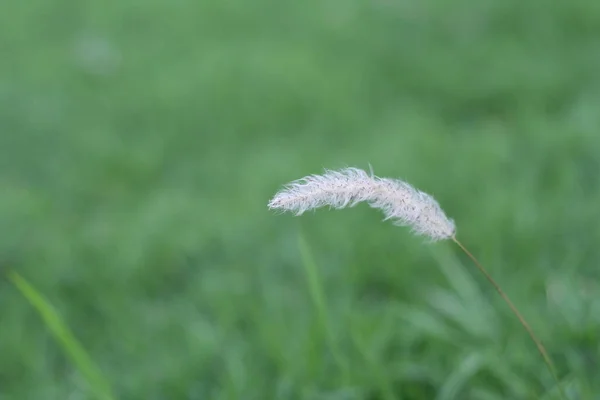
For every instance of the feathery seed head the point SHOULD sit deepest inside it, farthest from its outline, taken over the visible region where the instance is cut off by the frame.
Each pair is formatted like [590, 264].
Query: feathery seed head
[399, 201]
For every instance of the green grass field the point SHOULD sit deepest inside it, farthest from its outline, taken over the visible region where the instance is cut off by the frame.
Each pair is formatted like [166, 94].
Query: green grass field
[141, 141]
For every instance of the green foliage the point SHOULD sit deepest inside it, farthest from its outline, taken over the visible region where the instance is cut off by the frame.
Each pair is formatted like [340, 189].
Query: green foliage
[140, 143]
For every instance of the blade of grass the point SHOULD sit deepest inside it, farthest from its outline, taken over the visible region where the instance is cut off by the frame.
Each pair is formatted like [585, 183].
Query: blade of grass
[318, 298]
[375, 367]
[458, 379]
[64, 336]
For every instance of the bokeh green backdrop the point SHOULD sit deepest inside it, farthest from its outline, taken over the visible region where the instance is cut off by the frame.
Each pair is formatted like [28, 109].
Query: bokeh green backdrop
[140, 142]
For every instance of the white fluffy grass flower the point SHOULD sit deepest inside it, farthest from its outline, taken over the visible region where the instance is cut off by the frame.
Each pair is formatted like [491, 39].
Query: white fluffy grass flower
[399, 201]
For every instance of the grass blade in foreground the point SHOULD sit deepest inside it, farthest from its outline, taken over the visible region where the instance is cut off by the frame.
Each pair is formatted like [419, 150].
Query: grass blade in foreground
[63, 335]
[400, 202]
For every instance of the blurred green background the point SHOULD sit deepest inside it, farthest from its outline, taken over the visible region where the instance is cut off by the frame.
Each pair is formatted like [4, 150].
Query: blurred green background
[140, 142]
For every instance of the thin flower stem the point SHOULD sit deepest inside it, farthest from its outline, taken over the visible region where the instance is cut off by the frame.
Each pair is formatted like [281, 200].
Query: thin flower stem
[533, 336]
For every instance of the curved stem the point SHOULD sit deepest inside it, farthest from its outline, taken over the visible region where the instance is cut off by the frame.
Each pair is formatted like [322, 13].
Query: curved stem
[514, 309]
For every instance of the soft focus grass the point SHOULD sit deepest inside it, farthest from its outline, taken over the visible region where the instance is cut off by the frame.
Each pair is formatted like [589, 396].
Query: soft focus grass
[141, 141]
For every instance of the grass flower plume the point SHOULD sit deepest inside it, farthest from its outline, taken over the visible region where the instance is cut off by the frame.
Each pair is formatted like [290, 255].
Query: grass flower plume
[399, 201]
